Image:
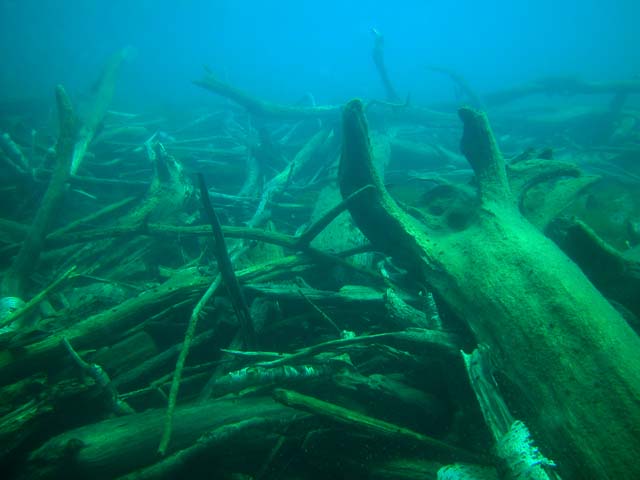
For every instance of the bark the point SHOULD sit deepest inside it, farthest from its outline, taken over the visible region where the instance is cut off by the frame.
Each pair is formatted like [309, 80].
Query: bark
[225, 267]
[569, 356]
[275, 111]
[372, 425]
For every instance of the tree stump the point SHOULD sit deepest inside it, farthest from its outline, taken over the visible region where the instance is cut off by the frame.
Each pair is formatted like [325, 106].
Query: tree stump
[569, 356]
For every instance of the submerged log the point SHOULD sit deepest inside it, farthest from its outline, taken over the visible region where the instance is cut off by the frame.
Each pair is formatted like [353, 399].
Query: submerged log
[264, 109]
[378, 60]
[569, 356]
[562, 85]
[117, 446]
[261, 108]
[16, 279]
[105, 88]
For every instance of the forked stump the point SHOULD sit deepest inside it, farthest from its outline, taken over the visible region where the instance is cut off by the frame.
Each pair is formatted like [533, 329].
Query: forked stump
[569, 355]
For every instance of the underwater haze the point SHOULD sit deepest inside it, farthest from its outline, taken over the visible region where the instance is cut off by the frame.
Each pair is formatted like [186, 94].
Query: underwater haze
[285, 240]
[283, 49]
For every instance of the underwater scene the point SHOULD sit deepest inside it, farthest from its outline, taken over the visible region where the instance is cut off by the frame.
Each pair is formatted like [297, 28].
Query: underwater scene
[287, 240]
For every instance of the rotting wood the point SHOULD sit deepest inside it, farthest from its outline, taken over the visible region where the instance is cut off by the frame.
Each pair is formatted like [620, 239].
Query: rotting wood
[104, 93]
[115, 447]
[15, 280]
[226, 270]
[561, 344]
[354, 419]
[378, 60]
[561, 85]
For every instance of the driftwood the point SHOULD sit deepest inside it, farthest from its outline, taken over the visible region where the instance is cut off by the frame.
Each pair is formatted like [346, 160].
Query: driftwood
[213, 445]
[514, 445]
[567, 85]
[97, 373]
[104, 93]
[378, 60]
[463, 88]
[90, 332]
[615, 275]
[391, 397]
[434, 341]
[566, 350]
[15, 281]
[283, 179]
[114, 447]
[11, 154]
[326, 315]
[182, 358]
[93, 331]
[264, 109]
[261, 108]
[226, 269]
[354, 419]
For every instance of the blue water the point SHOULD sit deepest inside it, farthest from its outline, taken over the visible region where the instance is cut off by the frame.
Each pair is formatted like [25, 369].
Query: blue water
[282, 49]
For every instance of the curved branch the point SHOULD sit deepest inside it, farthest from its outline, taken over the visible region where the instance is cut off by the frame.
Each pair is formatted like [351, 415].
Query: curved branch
[260, 108]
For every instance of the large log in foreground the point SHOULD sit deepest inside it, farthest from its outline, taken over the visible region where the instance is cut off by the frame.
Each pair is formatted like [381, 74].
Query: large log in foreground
[114, 447]
[569, 356]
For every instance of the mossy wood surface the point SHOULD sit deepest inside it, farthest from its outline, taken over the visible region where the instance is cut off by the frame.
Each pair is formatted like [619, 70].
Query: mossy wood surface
[570, 356]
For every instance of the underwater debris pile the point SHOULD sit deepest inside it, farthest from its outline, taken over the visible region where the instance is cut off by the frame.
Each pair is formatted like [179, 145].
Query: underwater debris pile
[290, 313]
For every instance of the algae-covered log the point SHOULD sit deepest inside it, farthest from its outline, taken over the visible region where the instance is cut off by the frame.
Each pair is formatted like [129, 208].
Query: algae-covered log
[570, 358]
[105, 89]
[562, 85]
[259, 107]
[15, 280]
[276, 111]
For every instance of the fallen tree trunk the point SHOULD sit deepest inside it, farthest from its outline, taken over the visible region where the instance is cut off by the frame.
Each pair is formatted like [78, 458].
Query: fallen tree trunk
[261, 108]
[567, 353]
[563, 85]
[117, 446]
[15, 280]
[276, 111]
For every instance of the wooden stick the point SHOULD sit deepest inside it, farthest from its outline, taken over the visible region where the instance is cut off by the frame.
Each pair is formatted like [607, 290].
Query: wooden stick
[438, 340]
[226, 269]
[177, 374]
[552, 332]
[354, 419]
[35, 301]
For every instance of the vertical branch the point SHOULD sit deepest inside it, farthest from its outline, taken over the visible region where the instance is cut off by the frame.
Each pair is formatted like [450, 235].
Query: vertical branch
[226, 269]
[479, 146]
[378, 59]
